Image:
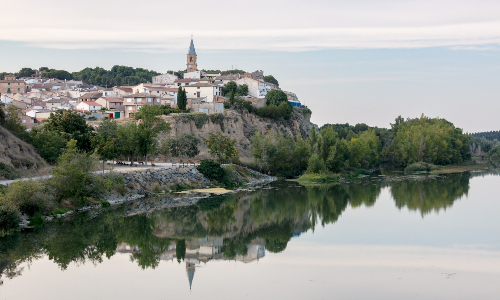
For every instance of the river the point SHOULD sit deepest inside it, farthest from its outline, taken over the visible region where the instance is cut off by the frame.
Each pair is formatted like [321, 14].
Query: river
[416, 237]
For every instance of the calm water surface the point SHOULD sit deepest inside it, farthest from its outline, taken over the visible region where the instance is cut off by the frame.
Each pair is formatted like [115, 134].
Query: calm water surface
[417, 238]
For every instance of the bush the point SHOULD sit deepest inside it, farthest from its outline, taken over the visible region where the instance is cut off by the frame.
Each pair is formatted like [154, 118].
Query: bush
[276, 97]
[36, 221]
[420, 167]
[31, 197]
[105, 204]
[9, 217]
[198, 118]
[8, 172]
[316, 165]
[211, 169]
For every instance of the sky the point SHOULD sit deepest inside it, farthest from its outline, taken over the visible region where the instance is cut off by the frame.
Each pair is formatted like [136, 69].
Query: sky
[349, 61]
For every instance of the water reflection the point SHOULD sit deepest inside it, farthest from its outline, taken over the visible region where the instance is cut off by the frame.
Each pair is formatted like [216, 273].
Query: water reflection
[240, 227]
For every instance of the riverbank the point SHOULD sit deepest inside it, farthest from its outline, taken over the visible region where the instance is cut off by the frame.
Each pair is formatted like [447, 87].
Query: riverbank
[164, 184]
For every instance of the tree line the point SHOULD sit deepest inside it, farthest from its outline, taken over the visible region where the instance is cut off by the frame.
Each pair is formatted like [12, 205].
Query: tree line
[340, 148]
[117, 76]
[489, 135]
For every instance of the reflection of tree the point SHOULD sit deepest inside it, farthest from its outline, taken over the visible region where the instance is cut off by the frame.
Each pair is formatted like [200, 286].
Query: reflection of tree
[138, 230]
[272, 216]
[430, 194]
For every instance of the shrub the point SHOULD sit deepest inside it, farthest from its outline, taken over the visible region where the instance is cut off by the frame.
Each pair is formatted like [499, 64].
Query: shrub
[419, 167]
[211, 169]
[31, 197]
[316, 165]
[105, 203]
[8, 172]
[9, 217]
[198, 118]
[36, 221]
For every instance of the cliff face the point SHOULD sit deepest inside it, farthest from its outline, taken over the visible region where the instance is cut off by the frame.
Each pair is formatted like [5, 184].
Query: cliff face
[18, 154]
[238, 126]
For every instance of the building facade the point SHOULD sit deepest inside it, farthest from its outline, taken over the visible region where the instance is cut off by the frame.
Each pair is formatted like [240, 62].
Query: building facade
[11, 85]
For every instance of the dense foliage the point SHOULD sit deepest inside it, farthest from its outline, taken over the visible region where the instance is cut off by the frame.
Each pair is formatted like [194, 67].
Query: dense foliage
[211, 169]
[221, 147]
[342, 148]
[271, 79]
[276, 97]
[489, 135]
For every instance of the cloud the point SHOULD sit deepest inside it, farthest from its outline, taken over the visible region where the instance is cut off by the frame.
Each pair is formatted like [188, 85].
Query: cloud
[267, 25]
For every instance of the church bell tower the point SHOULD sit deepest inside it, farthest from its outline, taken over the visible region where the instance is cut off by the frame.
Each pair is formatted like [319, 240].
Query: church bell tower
[192, 66]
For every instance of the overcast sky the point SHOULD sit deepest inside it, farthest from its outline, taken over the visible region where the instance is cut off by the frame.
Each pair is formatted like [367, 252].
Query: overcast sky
[349, 61]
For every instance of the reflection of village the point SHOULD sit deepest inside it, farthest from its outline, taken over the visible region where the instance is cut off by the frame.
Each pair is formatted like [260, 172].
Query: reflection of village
[203, 250]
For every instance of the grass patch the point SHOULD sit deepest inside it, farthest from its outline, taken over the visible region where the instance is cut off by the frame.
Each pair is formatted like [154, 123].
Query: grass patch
[60, 211]
[36, 221]
[420, 167]
[320, 178]
[181, 187]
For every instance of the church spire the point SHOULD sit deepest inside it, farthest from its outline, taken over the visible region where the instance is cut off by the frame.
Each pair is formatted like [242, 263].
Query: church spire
[191, 48]
[190, 268]
[191, 65]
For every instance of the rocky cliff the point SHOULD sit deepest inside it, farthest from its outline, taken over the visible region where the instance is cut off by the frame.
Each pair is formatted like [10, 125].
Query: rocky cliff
[17, 155]
[240, 126]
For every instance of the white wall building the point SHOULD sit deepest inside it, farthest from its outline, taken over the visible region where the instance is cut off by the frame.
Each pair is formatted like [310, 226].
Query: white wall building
[193, 75]
[203, 90]
[88, 106]
[256, 88]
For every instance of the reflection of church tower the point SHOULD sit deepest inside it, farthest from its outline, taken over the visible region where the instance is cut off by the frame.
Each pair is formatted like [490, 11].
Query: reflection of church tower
[192, 66]
[190, 268]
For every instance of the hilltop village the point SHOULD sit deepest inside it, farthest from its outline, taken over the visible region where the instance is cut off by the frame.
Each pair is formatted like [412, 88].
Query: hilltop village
[38, 96]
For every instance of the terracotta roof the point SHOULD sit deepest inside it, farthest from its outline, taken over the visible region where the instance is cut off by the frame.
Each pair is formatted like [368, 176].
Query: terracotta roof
[91, 96]
[113, 99]
[125, 89]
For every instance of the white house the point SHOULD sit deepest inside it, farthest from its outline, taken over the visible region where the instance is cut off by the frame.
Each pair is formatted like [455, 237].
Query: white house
[88, 106]
[193, 75]
[165, 79]
[203, 90]
[256, 88]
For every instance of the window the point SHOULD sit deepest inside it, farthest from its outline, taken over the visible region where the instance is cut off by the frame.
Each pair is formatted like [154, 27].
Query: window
[130, 108]
[8, 83]
[8, 90]
[149, 99]
[129, 100]
[18, 89]
[157, 100]
[24, 121]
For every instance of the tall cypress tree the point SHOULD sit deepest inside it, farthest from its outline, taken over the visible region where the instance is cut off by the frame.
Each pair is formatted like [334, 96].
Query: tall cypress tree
[181, 99]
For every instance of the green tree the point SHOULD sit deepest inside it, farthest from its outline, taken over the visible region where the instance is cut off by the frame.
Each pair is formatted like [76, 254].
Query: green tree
[275, 97]
[242, 90]
[150, 126]
[128, 141]
[182, 145]
[105, 148]
[230, 87]
[26, 72]
[74, 124]
[73, 177]
[181, 99]
[271, 79]
[49, 144]
[13, 123]
[180, 250]
[221, 147]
